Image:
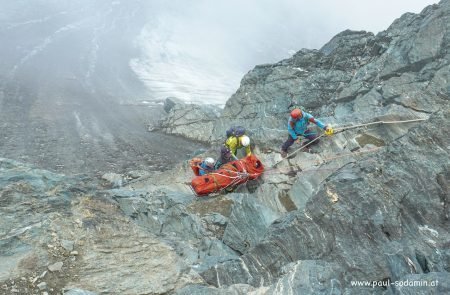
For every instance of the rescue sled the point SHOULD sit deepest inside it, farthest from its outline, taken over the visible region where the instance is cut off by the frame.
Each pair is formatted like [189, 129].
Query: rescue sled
[228, 175]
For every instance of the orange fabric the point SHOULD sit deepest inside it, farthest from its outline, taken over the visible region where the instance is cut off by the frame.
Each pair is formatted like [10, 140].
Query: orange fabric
[227, 176]
[195, 163]
[253, 166]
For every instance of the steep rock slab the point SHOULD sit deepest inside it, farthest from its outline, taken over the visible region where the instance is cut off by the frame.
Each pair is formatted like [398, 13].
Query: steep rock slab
[166, 215]
[29, 198]
[308, 277]
[56, 233]
[117, 256]
[389, 220]
[247, 223]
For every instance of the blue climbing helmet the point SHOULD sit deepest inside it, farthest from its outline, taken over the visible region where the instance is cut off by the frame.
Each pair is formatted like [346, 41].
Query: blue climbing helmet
[235, 131]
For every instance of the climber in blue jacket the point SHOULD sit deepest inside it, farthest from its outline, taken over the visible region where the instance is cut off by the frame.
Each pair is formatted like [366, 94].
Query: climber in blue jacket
[298, 126]
[206, 166]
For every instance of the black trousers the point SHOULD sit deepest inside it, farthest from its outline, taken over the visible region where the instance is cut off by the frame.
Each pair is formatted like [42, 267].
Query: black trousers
[310, 135]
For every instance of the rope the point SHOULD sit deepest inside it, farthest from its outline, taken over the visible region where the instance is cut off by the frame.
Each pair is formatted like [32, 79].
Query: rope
[239, 176]
[299, 149]
[338, 130]
[378, 122]
[323, 160]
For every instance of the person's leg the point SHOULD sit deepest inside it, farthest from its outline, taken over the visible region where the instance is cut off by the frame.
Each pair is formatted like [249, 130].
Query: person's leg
[310, 136]
[290, 141]
[225, 156]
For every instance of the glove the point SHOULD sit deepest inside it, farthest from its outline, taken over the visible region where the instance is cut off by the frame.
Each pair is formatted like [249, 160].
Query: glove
[329, 130]
[298, 141]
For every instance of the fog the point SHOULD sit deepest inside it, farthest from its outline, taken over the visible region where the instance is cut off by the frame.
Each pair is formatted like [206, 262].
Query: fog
[196, 50]
[78, 77]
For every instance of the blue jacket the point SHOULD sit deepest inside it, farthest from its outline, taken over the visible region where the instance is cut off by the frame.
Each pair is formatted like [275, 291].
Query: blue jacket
[204, 169]
[299, 127]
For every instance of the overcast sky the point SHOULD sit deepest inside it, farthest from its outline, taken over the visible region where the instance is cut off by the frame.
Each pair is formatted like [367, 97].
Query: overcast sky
[335, 16]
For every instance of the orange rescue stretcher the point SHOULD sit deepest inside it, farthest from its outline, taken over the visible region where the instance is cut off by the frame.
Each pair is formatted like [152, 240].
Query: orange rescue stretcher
[228, 175]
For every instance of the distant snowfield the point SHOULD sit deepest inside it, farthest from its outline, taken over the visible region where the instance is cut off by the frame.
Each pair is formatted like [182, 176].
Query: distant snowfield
[200, 52]
[170, 65]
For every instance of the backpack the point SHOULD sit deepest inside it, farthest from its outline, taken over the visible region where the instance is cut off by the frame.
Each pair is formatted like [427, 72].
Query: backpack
[235, 131]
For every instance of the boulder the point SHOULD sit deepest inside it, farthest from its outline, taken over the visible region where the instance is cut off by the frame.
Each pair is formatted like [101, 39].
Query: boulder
[190, 120]
[170, 102]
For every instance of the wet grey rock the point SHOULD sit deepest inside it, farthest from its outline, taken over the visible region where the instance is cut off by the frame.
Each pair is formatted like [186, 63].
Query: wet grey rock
[238, 289]
[137, 174]
[57, 266]
[28, 197]
[114, 180]
[41, 208]
[166, 214]
[190, 121]
[170, 102]
[78, 292]
[216, 218]
[308, 277]
[67, 245]
[42, 286]
[247, 223]
[346, 214]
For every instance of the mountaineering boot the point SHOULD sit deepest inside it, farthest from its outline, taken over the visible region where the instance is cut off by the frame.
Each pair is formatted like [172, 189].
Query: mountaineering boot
[229, 189]
[284, 154]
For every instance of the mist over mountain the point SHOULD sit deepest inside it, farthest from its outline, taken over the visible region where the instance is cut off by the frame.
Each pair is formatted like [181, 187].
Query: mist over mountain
[196, 51]
[69, 100]
[365, 210]
[199, 51]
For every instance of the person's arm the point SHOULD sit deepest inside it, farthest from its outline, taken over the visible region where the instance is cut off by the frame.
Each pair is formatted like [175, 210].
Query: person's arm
[315, 121]
[248, 150]
[201, 170]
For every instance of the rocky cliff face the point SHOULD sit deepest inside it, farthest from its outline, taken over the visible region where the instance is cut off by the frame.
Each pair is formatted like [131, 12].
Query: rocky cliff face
[400, 73]
[366, 205]
[58, 233]
[188, 120]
